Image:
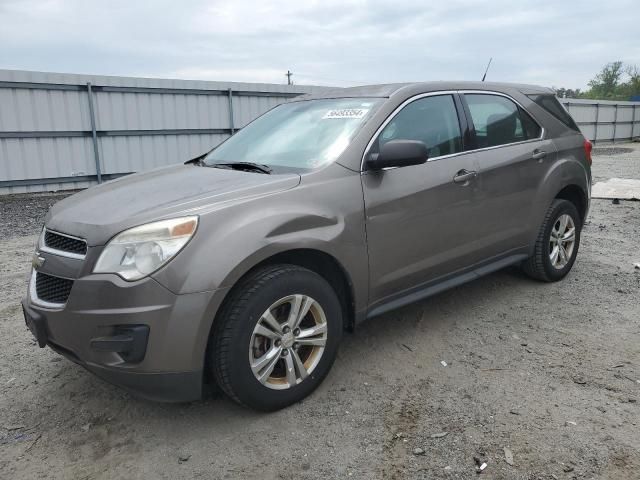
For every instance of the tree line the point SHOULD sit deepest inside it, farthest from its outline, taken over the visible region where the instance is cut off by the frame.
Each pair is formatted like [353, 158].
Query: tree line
[616, 81]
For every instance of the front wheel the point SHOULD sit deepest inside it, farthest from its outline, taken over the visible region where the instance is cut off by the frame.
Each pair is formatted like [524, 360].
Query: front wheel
[557, 243]
[276, 337]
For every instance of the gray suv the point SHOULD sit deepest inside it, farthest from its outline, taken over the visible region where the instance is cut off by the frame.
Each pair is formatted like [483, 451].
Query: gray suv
[243, 267]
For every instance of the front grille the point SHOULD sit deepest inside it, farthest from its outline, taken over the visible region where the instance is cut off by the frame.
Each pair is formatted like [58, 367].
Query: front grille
[52, 289]
[66, 244]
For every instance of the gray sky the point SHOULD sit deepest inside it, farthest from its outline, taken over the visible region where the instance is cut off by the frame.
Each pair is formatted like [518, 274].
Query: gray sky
[329, 42]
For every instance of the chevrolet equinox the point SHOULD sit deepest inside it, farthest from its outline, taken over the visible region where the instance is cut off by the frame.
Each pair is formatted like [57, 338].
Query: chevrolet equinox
[243, 267]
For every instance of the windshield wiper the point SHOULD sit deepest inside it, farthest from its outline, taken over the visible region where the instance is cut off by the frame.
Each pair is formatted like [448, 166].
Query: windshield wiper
[198, 161]
[244, 166]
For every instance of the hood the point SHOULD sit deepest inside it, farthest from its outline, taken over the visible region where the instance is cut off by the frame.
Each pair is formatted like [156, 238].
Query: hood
[100, 212]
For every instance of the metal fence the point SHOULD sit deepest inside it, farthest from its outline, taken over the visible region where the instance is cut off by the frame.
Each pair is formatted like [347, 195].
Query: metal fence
[605, 121]
[64, 131]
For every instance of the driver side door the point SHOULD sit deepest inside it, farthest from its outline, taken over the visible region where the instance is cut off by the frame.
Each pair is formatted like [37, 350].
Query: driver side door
[420, 219]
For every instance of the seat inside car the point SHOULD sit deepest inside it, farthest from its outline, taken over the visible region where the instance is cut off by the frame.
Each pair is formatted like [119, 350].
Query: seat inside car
[501, 129]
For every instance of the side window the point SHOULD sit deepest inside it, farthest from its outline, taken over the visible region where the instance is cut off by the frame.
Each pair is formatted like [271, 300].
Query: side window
[499, 121]
[531, 128]
[432, 120]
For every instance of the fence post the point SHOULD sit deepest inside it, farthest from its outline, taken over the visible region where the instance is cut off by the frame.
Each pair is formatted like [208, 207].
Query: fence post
[615, 121]
[231, 125]
[92, 117]
[595, 126]
[633, 122]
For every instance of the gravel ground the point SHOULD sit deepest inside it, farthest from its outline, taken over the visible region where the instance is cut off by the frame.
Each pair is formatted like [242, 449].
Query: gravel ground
[549, 372]
[23, 214]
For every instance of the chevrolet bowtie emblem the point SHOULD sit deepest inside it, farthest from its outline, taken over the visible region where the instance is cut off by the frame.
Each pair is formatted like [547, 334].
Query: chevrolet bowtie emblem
[37, 261]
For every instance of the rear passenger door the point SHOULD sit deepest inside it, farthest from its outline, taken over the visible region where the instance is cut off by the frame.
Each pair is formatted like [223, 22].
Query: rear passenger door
[512, 154]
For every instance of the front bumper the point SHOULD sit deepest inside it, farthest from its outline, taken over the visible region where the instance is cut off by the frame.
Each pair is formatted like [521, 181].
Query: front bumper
[102, 310]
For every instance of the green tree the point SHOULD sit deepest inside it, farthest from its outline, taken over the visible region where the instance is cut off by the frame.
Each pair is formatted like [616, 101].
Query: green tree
[568, 92]
[615, 81]
[632, 87]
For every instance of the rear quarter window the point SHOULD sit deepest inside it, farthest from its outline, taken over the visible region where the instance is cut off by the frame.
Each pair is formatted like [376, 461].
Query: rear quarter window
[551, 104]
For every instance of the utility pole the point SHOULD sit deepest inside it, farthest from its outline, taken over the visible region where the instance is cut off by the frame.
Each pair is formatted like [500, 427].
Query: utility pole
[288, 75]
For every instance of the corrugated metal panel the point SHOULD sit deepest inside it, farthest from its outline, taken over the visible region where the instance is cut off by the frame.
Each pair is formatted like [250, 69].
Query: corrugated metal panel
[581, 113]
[152, 151]
[147, 111]
[625, 113]
[26, 158]
[605, 131]
[25, 110]
[63, 109]
[607, 113]
[605, 120]
[249, 108]
[623, 131]
[589, 131]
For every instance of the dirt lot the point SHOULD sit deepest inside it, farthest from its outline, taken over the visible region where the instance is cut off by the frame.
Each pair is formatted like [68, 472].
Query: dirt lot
[551, 372]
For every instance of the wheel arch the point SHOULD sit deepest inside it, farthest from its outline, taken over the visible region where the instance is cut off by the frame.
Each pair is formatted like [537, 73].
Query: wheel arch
[566, 179]
[576, 195]
[318, 261]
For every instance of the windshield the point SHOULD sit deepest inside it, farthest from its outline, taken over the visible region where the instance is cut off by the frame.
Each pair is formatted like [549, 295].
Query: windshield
[297, 135]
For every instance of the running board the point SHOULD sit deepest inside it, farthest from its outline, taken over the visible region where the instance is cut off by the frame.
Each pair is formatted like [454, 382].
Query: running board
[436, 286]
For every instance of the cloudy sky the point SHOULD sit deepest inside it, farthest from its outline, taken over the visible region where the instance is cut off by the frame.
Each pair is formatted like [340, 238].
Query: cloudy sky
[328, 42]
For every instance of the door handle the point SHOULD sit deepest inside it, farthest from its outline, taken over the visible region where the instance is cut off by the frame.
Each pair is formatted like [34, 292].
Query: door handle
[538, 154]
[464, 175]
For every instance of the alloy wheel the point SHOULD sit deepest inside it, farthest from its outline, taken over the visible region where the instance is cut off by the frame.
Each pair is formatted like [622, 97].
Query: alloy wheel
[288, 341]
[562, 241]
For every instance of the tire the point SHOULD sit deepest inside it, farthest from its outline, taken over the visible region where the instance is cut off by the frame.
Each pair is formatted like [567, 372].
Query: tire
[235, 345]
[540, 265]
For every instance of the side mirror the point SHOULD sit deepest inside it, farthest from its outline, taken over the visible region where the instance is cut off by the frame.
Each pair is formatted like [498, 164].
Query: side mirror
[398, 153]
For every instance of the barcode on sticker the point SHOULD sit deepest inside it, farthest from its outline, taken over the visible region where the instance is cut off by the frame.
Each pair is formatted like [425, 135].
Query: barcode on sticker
[347, 113]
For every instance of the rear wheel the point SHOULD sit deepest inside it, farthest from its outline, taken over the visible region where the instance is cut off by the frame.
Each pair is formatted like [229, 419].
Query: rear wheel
[276, 337]
[557, 243]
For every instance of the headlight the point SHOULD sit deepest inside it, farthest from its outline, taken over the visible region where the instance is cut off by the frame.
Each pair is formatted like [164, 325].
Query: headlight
[140, 251]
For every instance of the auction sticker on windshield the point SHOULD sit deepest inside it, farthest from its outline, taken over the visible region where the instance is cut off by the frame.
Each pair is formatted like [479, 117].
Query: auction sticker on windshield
[347, 113]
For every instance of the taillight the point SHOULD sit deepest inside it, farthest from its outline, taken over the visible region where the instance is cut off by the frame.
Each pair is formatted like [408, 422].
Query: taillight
[587, 150]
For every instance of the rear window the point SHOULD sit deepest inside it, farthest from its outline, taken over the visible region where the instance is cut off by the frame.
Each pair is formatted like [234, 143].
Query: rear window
[551, 104]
